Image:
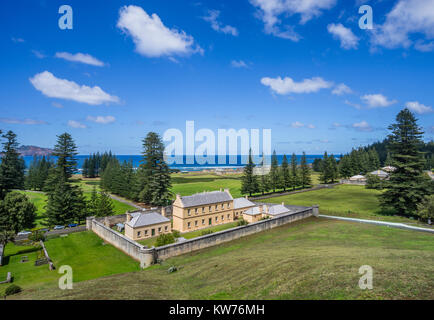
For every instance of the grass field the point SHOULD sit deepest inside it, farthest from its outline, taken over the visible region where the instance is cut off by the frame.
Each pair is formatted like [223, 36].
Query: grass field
[343, 200]
[83, 251]
[310, 259]
[190, 183]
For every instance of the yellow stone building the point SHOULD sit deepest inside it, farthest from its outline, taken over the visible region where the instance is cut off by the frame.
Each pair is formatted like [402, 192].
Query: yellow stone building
[207, 209]
[146, 224]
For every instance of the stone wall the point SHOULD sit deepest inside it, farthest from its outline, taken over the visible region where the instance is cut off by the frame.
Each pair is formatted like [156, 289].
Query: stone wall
[146, 256]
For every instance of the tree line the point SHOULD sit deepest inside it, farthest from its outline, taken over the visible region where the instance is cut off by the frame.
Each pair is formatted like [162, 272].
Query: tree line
[150, 183]
[287, 176]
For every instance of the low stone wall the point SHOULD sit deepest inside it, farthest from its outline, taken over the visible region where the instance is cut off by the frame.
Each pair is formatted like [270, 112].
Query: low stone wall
[146, 256]
[50, 263]
[1, 254]
[130, 247]
[217, 238]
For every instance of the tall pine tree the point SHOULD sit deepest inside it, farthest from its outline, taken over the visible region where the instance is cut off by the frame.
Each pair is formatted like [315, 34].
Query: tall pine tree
[249, 182]
[305, 174]
[11, 166]
[408, 185]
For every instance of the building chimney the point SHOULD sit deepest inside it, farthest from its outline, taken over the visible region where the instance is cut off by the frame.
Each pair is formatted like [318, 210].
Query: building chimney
[129, 217]
[247, 197]
[266, 209]
[283, 203]
[178, 196]
[261, 208]
[163, 211]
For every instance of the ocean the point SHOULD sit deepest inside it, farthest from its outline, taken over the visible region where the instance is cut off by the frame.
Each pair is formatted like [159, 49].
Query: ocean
[240, 161]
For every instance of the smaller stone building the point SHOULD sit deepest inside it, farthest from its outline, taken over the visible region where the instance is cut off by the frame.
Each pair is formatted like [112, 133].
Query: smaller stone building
[265, 211]
[146, 224]
[241, 205]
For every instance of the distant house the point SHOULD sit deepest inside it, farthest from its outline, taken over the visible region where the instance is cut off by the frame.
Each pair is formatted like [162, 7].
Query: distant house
[388, 169]
[146, 224]
[358, 178]
[380, 173]
[264, 211]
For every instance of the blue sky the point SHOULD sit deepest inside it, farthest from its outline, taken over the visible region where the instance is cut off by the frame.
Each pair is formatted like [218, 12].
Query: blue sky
[301, 68]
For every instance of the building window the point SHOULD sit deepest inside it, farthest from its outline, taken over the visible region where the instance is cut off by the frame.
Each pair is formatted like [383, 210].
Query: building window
[216, 207]
[188, 211]
[146, 232]
[223, 206]
[195, 211]
[203, 222]
[195, 223]
[216, 219]
[229, 205]
[159, 229]
[209, 209]
[223, 218]
[138, 234]
[229, 216]
[188, 225]
[165, 228]
[203, 209]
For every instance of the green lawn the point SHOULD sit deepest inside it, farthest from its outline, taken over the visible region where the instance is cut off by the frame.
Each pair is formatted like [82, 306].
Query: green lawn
[309, 259]
[343, 200]
[40, 200]
[190, 183]
[83, 251]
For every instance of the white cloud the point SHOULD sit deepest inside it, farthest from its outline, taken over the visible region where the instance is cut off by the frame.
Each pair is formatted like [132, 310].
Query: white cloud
[342, 89]
[287, 85]
[408, 17]
[347, 38]
[355, 105]
[101, 119]
[76, 124]
[21, 121]
[17, 40]
[38, 54]
[217, 26]
[298, 124]
[54, 87]
[362, 126]
[80, 57]
[239, 64]
[151, 37]
[376, 100]
[270, 10]
[57, 105]
[418, 107]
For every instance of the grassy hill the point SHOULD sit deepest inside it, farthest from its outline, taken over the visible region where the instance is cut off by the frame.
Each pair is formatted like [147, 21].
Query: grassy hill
[310, 259]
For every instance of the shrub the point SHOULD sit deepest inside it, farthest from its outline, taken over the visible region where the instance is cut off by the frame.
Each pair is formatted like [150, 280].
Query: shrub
[37, 236]
[164, 239]
[12, 289]
[176, 233]
[205, 232]
[242, 222]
